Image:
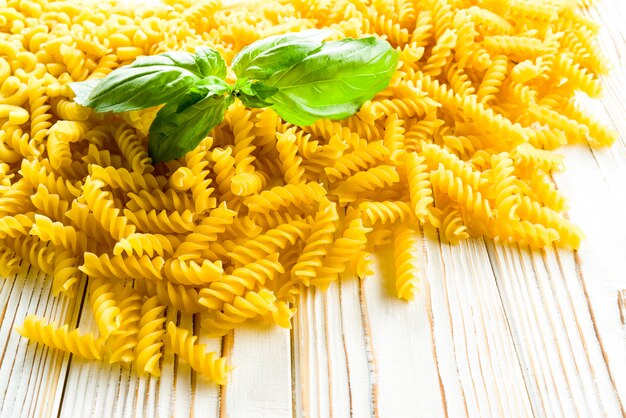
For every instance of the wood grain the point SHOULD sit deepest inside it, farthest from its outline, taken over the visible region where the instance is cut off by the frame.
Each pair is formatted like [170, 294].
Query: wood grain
[495, 331]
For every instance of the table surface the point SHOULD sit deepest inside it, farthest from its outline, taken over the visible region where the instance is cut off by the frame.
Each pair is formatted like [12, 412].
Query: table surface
[496, 330]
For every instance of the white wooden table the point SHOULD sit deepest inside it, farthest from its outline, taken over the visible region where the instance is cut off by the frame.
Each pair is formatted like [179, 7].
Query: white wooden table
[496, 331]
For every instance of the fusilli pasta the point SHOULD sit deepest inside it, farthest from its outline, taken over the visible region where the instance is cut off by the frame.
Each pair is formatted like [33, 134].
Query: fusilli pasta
[461, 139]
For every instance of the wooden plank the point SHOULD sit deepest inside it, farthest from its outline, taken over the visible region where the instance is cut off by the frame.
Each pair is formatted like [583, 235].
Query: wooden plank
[595, 207]
[93, 388]
[356, 347]
[205, 396]
[260, 384]
[475, 350]
[524, 363]
[334, 364]
[333, 369]
[595, 186]
[323, 385]
[28, 372]
[311, 356]
[339, 386]
[404, 367]
[553, 332]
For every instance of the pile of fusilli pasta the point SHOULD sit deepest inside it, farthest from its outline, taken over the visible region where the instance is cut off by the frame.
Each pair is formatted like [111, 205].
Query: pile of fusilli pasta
[462, 139]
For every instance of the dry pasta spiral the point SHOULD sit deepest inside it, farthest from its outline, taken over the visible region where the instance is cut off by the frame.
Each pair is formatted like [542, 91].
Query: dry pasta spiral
[132, 149]
[119, 266]
[369, 180]
[181, 297]
[149, 337]
[361, 158]
[120, 346]
[316, 245]
[252, 305]
[386, 211]
[407, 278]
[9, 262]
[41, 331]
[14, 226]
[209, 365]
[60, 235]
[343, 250]
[419, 184]
[149, 244]
[274, 240]
[104, 307]
[191, 272]
[103, 207]
[284, 196]
[241, 278]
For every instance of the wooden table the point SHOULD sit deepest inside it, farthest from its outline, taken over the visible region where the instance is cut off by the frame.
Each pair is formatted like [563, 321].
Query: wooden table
[496, 330]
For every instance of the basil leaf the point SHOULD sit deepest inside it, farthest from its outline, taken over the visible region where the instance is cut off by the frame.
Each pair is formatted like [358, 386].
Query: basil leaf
[173, 134]
[253, 94]
[263, 58]
[263, 91]
[82, 89]
[297, 113]
[190, 98]
[254, 88]
[210, 62]
[253, 101]
[256, 94]
[243, 85]
[334, 81]
[203, 88]
[147, 82]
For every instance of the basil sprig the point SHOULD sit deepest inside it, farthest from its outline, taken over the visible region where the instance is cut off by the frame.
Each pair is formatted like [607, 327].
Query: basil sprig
[299, 75]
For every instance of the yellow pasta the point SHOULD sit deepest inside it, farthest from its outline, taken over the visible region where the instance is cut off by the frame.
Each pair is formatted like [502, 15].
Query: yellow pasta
[342, 251]
[149, 337]
[207, 364]
[252, 305]
[463, 139]
[241, 278]
[120, 346]
[177, 296]
[407, 276]
[317, 244]
[104, 306]
[41, 331]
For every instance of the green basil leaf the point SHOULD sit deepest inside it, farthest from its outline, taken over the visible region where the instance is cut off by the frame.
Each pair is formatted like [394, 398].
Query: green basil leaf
[210, 62]
[253, 94]
[263, 91]
[263, 58]
[243, 85]
[298, 113]
[148, 81]
[254, 88]
[334, 81]
[82, 89]
[190, 98]
[203, 88]
[253, 101]
[256, 94]
[173, 134]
